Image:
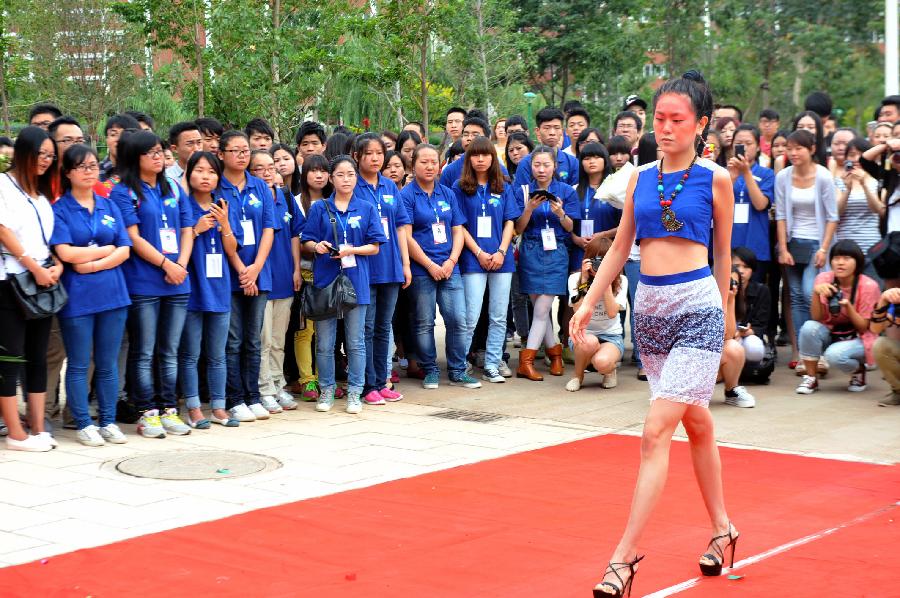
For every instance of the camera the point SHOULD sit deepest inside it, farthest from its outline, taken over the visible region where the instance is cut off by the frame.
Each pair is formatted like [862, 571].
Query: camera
[895, 160]
[848, 165]
[834, 302]
[739, 150]
[595, 263]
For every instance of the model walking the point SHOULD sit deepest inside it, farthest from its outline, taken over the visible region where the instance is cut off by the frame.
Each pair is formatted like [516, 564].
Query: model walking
[679, 313]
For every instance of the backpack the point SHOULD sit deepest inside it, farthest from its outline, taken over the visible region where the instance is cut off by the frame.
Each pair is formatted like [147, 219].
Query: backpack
[759, 373]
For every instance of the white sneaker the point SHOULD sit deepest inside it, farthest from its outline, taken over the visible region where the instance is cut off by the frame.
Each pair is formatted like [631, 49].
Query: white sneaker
[610, 380]
[90, 436]
[259, 411]
[286, 400]
[325, 401]
[742, 398]
[354, 403]
[504, 370]
[112, 434]
[269, 404]
[49, 439]
[242, 413]
[33, 444]
[573, 385]
[492, 375]
[808, 385]
[517, 340]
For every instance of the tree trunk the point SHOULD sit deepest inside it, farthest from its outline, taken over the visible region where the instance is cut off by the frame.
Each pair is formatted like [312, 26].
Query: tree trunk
[201, 70]
[482, 56]
[799, 71]
[423, 83]
[397, 102]
[276, 71]
[4, 97]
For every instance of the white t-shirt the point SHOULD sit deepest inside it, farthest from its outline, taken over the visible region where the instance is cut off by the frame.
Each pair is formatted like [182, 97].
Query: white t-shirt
[18, 215]
[893, 215]
[803, 202]
[600, 322]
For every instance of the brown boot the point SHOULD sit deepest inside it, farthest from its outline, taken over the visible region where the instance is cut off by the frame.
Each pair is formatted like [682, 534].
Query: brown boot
[557, 367]
[526, 365]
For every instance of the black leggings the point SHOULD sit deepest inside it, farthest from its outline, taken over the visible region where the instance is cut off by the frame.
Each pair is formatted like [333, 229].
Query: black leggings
[21, 339]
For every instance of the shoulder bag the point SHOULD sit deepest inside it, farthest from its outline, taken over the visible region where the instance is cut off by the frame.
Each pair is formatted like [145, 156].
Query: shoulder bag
[333, 300]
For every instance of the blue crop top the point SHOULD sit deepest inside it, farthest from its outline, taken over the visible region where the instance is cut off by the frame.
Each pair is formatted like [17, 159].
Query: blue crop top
[693, 205]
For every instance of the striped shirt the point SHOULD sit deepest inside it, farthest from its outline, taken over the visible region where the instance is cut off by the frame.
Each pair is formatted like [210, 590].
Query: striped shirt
[858, 222]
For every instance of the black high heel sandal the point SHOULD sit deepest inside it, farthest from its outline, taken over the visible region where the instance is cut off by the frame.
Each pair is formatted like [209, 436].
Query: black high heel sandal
[626, 585]
[718, 554]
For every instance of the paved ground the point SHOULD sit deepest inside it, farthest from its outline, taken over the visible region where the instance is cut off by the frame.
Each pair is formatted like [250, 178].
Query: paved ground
[74, 497]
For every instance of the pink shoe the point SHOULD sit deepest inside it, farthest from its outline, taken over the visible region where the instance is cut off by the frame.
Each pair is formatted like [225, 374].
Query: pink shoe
[373, 398]
[395, 377]
[390, 395]
[339, 392]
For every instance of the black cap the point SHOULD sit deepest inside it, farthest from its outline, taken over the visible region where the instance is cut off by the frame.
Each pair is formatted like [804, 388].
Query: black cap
[633, 99]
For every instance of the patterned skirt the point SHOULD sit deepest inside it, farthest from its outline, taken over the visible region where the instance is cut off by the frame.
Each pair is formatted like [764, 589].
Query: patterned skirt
[680, 330]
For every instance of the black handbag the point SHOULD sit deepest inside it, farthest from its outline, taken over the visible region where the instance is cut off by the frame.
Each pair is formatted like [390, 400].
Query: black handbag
[885, 256]
[333, 300]
[35, 301]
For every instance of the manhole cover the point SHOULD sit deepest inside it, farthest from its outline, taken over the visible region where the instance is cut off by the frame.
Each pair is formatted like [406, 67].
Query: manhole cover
[469, 416]
[196, 465]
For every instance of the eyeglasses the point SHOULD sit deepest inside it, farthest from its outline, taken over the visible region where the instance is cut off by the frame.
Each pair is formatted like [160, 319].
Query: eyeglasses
[46, 156]
[262, 169]
[70, 140]
[86, 168]
[241, 153]
[154, 154]
[344, 175]
[44, 124]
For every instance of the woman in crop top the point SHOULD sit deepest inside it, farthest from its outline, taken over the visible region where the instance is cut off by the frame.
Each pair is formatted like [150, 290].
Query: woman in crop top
[679, 312]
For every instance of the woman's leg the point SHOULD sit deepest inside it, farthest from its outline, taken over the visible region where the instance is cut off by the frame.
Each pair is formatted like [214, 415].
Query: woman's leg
[107, 338]
[541, 322]
[355, 343]
[215, 336]
[584, 353]
[732, 363]
[498, 303]
[234, 388]
[252, 346]
[78, 338]
[474, 284]
[660, 424]
[265, 381]
[173, 310]
[142, 325]
[814, 339]
[451, 299]
[799, 300]
[37, 335]
[605, 358]
[192, 337]
[633, 275]
[847, 356]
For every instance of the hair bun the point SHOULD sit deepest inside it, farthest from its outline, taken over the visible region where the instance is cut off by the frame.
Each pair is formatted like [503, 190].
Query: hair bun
[694, 75]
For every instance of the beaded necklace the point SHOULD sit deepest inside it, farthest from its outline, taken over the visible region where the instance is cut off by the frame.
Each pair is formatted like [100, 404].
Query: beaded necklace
[669, 221]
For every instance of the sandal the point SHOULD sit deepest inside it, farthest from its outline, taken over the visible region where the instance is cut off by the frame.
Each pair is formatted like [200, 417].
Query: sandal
[717, 556]
[618, 590]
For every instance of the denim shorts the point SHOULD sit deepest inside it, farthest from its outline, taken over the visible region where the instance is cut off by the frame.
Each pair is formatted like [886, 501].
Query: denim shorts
[614, 339]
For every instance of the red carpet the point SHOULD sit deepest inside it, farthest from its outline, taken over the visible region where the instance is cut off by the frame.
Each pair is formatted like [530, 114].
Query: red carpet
[537, 524]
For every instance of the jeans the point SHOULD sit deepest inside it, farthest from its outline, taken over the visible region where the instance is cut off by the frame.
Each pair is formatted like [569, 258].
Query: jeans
[633, 274]
[498, 303]
[154, 328]
[243, 349]
[379, 316]
[208, 330]
[815, 339]
[800, 278]
[100, 333]
[354, 343]
[521, 308]
[429, 294]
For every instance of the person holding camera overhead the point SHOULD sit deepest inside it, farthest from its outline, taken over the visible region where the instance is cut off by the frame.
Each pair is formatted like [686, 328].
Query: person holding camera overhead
[754, 190]
[842, 305]
[549, 208]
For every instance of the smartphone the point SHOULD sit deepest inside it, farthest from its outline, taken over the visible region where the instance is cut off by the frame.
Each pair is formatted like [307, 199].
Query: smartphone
[739, 150]
[848, 165]
[742, 327]
[220, 203]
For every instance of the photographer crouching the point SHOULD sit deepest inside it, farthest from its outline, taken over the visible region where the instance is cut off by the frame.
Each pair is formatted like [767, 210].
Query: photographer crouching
[842, 304]
[886, 318]
[604, 343]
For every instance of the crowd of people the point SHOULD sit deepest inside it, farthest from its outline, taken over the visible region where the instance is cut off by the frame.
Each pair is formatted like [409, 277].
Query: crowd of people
[184, 258]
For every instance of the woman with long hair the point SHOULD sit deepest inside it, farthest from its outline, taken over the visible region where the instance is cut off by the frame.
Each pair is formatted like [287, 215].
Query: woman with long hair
[26, 224]
[518, 145]
[679, 316]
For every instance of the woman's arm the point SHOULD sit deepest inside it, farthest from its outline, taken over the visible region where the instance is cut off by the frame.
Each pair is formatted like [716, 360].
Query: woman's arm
[9, 240]
[117, 257]
[609, 302]
[872, 199]
[147, 252]
[404, 233]
[82, 255]
[723, 217]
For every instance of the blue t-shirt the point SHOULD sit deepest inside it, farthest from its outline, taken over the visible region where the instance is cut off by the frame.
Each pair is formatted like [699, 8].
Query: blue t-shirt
[254, 204]
[387, 265]
[424, 211]
[74, 225]
[152, 215]
[603, 216]
[453, 171]
[543, 216]
[211, 294]
[566, 169]
[281, 260]
[693, 206]
[499, 207]
[755, 233]
[359, 225]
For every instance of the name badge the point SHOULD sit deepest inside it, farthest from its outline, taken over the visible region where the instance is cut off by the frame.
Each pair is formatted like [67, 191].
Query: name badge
[168, 240]
[741, 213]
[348, 261]
[386, 225]
[214, 265]
[484, 227]
[249, 234]
[548, 237]
[587, 228]
[439, 230]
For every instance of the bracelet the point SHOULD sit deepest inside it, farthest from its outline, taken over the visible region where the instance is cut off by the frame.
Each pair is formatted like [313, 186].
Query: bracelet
[452, 260]
[880, 310]
[194, 230]
[501, 251]
[479, 252]
[163, 262]
[820, 249]
[227, 235]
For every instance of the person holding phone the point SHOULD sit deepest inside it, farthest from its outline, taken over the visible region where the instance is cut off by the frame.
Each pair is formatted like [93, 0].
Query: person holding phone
[754, 190]
[858, 204]
[549, 209]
